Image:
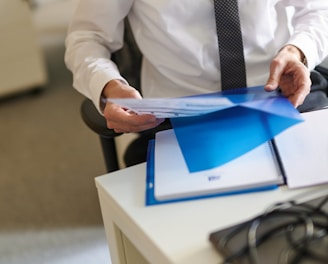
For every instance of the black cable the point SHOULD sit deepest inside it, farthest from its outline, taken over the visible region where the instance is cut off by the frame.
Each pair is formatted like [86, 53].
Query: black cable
[313, 219]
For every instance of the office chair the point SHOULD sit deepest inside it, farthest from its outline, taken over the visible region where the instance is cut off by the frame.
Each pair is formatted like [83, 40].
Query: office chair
[97, 123]
[129, 59]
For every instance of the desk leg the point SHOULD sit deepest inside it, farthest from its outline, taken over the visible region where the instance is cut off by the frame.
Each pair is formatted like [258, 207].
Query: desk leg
[132, 254]
[122, 250]
[114, 236]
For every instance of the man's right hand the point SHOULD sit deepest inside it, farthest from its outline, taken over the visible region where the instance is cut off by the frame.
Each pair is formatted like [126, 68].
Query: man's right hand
[118, 118]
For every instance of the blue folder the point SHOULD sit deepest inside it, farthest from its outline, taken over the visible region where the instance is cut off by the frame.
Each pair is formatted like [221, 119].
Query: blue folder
[150, 198]
[213, 139]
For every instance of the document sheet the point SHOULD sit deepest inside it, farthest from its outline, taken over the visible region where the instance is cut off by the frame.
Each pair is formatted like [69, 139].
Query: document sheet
[304, 150]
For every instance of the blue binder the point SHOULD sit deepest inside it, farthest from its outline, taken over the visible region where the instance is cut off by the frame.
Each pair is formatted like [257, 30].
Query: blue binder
[255, 117]
[212, 140]
[150, 198]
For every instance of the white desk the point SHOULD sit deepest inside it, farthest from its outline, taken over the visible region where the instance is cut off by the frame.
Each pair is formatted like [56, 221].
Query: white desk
[173, 233]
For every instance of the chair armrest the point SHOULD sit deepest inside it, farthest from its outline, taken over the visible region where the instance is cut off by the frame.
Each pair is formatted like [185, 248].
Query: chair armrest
[95, 121]
[315, 100]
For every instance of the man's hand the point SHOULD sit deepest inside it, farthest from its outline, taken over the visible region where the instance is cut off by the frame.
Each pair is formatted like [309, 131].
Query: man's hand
[288, 72]
[119, 119]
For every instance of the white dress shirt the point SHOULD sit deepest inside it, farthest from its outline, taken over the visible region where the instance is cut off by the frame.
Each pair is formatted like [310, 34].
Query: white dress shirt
[179, 43]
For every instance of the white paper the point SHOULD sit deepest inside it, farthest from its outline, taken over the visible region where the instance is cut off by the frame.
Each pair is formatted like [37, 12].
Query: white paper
[304, 150]
[257, 168]
[172, 107]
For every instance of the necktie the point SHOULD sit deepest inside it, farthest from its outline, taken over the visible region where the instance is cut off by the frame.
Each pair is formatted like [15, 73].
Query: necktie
[233, 72]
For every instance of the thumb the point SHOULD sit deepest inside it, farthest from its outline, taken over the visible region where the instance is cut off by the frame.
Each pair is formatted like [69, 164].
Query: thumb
[273, 81]
[276, 71]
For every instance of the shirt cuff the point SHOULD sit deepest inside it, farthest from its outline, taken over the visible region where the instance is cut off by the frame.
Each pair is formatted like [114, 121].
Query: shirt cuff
[308, 47]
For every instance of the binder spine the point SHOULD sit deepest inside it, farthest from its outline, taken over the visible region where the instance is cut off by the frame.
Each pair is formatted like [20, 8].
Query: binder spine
[278, 159]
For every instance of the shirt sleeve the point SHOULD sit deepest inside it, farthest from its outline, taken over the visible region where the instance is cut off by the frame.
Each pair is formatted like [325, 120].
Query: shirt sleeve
[95, 32]
[310, 34]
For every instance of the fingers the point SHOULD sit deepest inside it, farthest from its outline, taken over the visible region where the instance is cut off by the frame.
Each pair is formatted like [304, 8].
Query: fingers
[302, 82]
[276, 70]
[123, 121]
[296, 83]
[119, 119]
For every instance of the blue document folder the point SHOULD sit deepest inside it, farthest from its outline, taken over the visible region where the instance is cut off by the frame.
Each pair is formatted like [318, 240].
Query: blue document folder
[168, 179]
[255, 116]
[297, 156]
[222, 125]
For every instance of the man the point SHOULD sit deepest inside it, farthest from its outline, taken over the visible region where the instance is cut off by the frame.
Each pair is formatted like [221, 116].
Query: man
[180, 50]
